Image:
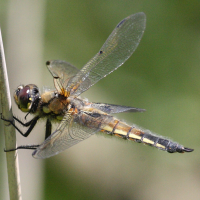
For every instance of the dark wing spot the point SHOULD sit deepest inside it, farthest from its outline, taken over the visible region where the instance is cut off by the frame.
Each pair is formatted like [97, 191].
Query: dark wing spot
[95, 115]
[120, 23]
[48, 63]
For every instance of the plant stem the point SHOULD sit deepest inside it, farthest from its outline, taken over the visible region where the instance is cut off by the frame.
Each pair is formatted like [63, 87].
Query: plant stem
[9, 131]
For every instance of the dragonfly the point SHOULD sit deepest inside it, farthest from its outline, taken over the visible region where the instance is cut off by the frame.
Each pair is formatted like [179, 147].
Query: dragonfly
[77, 118]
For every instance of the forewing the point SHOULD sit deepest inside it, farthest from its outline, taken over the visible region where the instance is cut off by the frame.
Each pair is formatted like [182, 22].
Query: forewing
[70, 132]
[116, 50]
[111, 108]
[61, 71]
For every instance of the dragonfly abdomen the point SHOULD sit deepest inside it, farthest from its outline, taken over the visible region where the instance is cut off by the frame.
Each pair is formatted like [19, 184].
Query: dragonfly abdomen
[122, 130]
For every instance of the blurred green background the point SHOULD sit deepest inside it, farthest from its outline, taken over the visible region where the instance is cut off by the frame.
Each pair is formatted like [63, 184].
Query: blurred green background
[162, 76]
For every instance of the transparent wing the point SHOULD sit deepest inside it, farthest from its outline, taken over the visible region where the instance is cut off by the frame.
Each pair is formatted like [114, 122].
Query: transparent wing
[61, 71]
[70, 132]
[111, 108]
[116, 50]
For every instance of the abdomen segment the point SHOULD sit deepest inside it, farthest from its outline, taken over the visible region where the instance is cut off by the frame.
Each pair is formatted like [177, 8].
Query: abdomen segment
[122, 130]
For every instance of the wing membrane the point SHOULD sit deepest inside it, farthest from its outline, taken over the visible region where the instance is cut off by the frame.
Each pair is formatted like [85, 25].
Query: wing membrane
[116, 50]
[61, 71]
[70, 132]
[111, 108]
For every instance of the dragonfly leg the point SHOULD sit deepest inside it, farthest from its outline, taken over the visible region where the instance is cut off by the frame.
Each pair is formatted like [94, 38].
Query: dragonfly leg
[31, 147]
[31, 124]
[48, 129]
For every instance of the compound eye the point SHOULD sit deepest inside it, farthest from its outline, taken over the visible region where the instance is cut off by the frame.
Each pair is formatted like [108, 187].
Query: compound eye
[17, 92]
[22, 98]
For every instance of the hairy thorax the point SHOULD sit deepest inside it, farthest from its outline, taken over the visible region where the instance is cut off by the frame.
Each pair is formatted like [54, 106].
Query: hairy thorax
[52, 105]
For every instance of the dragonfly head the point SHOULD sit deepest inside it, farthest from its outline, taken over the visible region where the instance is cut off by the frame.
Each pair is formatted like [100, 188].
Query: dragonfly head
[26, 97]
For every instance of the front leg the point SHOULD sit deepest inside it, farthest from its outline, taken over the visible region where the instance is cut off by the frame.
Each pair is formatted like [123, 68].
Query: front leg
[31, 124]
[23, 124]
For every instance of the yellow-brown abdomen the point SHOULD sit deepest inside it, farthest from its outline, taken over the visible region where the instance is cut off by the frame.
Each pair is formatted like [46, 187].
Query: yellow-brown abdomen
[123, 130]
